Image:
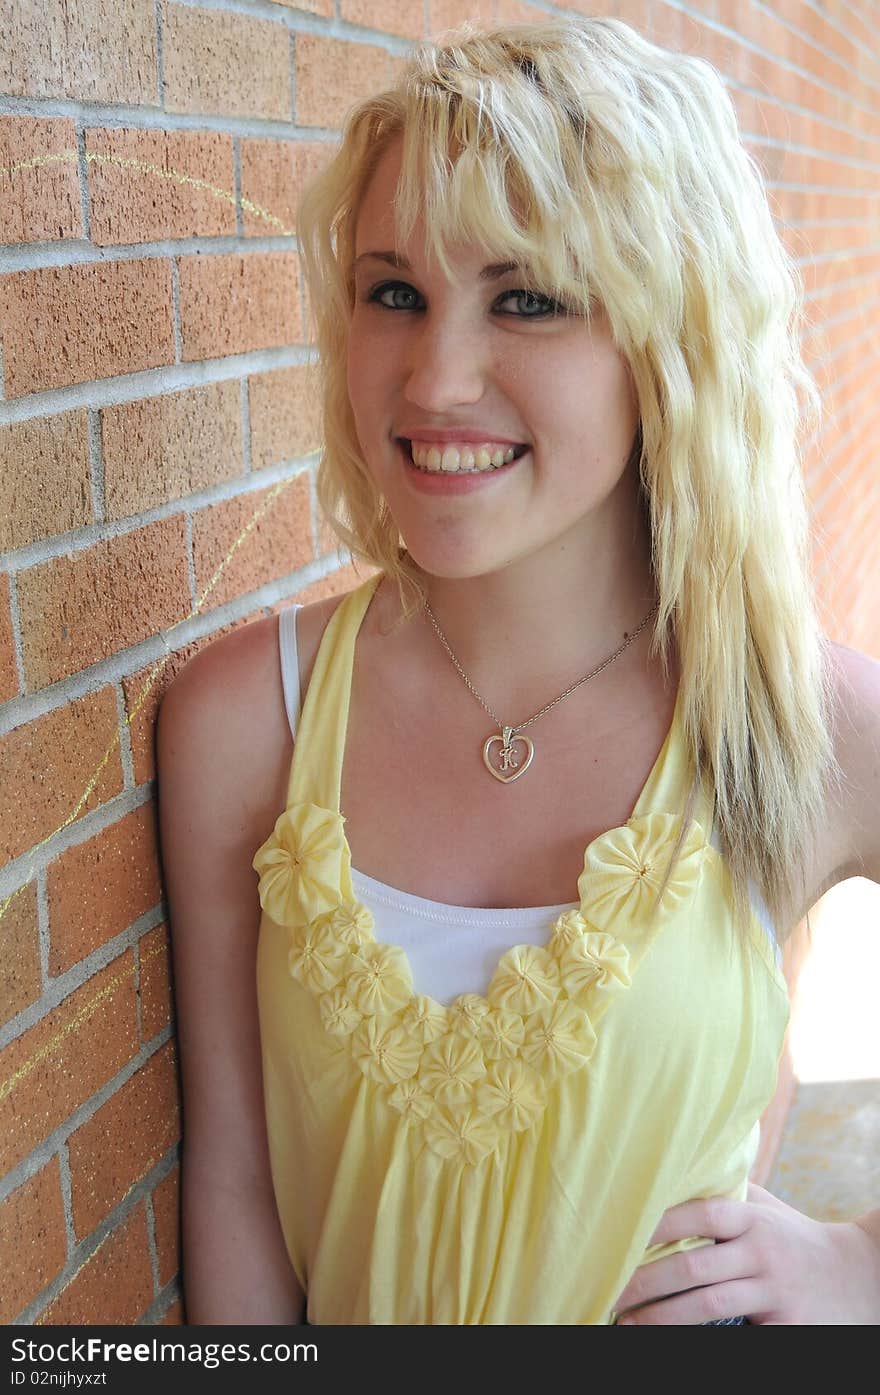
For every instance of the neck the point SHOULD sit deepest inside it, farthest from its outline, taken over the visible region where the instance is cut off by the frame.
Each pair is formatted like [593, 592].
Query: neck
[523, 633]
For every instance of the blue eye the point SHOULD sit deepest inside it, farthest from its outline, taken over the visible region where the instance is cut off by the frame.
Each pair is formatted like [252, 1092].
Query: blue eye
[546, 307]
[378, 291]
[551, 307]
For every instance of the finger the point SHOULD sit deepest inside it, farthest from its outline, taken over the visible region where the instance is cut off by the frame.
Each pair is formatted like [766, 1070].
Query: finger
[688, 1269]
[736, 1299]
[714, 1217]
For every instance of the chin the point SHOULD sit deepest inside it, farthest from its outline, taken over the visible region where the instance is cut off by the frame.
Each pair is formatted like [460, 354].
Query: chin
[458, 564]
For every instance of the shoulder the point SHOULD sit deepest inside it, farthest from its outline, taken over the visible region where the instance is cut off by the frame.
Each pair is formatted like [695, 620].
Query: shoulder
[857, 745]
[231, 693]
[222, 735]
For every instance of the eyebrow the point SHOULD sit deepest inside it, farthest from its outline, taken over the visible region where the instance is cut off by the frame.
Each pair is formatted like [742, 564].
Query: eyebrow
[489, 273]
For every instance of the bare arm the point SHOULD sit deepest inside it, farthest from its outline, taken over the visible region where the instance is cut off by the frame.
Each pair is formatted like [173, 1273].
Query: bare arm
[222, 759]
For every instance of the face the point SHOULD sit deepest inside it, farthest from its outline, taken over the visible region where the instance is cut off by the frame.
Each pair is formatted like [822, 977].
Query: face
[480, 356]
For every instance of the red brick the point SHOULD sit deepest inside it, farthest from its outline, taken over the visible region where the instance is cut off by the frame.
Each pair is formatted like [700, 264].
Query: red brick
[448, 14]
[8, 671]
[33, 1240]
[123, 1139]
[79, 609]
[665, 26]
[280, 542]
[514, 12]
[284, 407]
[159, 449]
[273, 176]
[391, 16]
[225, 64]
[97, 888]
[21, 982]
[155, 961]
[70, 742]
[39, 192]
[55, 1066]
[332, 74]
[44, 478]
[334, 584]
[314, 7]
[148, 185]
[114, 1285]
[116, 318]
[90, 50]
[234, 304]
[166, 1214]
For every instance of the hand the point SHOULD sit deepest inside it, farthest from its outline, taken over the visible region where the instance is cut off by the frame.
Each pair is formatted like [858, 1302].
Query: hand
[770, 1263]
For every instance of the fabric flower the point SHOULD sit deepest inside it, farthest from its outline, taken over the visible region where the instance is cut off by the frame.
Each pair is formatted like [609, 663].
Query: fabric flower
[379, 979]
[560, 1041]
[568, 928]
[526, 980]
[623, 869]
[424, 1018]
[300, 864]
[315, 957]
[338, 1012]
[501, 1033]
[384, 1051]
[352, 924]
[513, 1094]
[595, 963]
[450, 1066]
[467, 1012]
[410, 1099]
[462, 1136]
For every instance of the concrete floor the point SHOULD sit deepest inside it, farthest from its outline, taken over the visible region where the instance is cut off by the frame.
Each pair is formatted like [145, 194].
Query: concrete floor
[828, 1164]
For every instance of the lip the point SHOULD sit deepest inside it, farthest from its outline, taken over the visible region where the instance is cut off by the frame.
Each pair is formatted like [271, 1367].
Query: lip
[447, 482]
[470, 436]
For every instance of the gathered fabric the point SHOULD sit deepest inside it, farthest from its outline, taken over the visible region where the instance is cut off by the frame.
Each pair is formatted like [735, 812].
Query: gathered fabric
[504, 1158]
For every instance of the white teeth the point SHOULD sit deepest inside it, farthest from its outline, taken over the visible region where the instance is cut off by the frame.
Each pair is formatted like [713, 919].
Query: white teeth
[462, 459]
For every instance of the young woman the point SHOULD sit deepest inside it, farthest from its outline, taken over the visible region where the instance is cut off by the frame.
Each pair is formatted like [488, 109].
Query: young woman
[534, 805]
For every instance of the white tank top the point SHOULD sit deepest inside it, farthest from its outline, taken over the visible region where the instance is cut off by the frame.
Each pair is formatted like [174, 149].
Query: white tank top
[452, 949]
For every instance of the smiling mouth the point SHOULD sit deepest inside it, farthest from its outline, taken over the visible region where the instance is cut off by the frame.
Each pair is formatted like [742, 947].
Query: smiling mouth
[470, 460]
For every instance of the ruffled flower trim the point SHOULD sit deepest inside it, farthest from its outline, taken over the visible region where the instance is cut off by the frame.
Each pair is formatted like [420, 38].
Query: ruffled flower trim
[623, 870]
[470, 1075]
[300, 864]
[379, 980]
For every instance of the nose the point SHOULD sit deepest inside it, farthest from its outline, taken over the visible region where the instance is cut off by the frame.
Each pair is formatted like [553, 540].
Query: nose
[447, 366]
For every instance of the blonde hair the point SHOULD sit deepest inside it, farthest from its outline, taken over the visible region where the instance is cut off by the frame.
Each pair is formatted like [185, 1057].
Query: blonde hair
[615, 169]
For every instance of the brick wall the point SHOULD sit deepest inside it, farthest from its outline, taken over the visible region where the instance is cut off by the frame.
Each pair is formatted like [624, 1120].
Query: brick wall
[157, 450]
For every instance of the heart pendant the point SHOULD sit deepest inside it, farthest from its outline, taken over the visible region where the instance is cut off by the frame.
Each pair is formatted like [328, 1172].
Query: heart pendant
[510, 769]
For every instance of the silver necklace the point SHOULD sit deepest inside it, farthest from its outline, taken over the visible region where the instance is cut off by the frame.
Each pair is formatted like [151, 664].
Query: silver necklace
[509, 767]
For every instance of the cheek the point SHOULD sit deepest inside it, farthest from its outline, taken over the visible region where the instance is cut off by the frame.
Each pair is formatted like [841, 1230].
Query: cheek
[360, 384]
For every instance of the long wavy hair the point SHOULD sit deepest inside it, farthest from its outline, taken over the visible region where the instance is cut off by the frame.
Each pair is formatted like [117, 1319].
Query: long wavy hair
[615, 169]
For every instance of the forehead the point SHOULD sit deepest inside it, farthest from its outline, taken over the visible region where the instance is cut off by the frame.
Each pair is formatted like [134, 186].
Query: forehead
[375, 230]
[375, 215]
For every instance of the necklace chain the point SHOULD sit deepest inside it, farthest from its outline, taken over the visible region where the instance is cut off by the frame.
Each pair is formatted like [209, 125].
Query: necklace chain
[511, 731]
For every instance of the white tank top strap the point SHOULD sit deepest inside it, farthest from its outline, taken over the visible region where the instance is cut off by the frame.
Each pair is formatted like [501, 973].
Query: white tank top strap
[289, 663]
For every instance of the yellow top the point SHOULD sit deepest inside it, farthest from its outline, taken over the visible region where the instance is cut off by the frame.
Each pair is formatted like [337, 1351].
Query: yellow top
[507, 1158]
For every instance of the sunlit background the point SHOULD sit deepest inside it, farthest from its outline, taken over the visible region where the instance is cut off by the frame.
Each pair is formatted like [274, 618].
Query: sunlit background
[829, 1163]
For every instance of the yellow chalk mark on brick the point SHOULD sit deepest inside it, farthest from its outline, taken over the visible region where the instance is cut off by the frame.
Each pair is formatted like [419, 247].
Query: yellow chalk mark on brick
[25, 1069]
[71, 157]
[154, 673]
